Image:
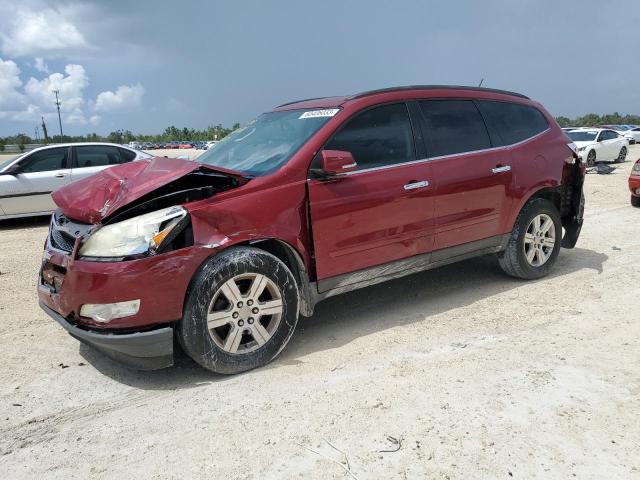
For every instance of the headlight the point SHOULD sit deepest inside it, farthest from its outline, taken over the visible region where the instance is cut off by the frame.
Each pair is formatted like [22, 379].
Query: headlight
[135, 236]
[636, 168]
[582, 149]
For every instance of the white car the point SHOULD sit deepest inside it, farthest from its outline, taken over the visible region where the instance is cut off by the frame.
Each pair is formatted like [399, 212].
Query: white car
[27, 180]
[633, 133]
[599, 144]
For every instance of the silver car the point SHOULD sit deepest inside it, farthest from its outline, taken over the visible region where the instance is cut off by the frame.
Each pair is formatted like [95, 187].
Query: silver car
[27, 180]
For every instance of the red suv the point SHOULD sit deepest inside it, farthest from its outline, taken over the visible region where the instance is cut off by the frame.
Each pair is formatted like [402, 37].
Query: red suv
[313, 199]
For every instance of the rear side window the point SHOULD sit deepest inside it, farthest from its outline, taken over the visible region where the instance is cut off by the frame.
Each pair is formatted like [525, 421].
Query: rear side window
[97, 156]
[377, 137]
[513, 122]
[45, 160]
[127, 155]
[453, 126]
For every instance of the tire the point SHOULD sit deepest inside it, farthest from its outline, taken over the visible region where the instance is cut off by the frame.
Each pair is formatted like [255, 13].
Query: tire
[244, 337]
[635, 201]
[591, 158]
[622, 155]
[514, 260]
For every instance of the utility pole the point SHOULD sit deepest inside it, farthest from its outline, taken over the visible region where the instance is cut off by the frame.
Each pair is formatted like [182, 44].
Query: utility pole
[37, 132]
[59, 118]
[44, 130]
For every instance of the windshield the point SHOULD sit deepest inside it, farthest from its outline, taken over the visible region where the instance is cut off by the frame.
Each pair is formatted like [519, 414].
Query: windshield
[583, 136]
[266, 143]
[4, 163]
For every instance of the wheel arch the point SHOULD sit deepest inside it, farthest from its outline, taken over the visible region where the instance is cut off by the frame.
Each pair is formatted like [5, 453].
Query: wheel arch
[284, 252]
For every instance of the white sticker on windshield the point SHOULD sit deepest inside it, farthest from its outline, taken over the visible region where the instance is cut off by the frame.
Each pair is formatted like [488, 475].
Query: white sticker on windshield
[320, 113]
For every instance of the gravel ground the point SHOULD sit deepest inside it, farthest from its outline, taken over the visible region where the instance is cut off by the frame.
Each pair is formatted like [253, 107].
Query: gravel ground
[475, 374]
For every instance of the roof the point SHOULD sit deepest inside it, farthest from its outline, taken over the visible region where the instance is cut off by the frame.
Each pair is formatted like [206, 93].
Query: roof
[437, 87]
[326, 102]
[79, 144]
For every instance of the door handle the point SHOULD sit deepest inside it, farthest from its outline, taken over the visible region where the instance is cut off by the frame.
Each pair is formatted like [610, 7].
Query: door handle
[414, 185]
[506, 168]
[59, 175]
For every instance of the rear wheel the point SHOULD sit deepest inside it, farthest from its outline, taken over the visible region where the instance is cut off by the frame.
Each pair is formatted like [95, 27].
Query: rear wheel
[241, 311]
[535, 241]
[622, 155]
[635, 201]
[591, 158]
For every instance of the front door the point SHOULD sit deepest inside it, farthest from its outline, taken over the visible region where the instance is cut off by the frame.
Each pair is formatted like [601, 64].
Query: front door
[39, 174]
[381, 212]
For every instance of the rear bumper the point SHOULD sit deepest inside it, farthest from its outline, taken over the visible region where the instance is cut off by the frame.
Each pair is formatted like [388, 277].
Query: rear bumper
[634, 185]
[148, 350]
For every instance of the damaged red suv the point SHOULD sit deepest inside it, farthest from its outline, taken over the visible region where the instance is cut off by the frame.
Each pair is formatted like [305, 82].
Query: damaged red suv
[313, 199]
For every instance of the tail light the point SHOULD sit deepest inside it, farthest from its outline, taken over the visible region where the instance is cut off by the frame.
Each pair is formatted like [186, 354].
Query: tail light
[636, 168]
[573, 158]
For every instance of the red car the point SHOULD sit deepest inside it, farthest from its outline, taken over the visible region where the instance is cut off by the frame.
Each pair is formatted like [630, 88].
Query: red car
[315, 198]
[634, 184]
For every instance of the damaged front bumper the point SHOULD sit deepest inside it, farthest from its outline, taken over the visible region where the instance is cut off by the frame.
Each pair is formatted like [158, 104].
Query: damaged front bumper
[149, 350]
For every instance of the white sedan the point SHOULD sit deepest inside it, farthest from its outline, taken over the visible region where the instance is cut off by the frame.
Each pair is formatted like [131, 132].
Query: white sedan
[633, 133]
[27, 180]
[599, 144]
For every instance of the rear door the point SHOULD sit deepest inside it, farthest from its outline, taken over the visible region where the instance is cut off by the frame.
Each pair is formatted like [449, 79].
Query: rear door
[90, 159]
[381, 212]
[39, 174]
[472, 177]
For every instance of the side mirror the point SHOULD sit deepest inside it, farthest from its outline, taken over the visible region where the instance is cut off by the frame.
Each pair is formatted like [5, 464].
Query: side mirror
[12, 170]
[336, 162]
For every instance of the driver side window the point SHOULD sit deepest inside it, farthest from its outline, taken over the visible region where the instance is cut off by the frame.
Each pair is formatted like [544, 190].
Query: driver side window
[377, 137]
[45, 160]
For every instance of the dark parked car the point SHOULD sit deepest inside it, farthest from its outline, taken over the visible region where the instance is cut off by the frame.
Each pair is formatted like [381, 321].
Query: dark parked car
[310, 200]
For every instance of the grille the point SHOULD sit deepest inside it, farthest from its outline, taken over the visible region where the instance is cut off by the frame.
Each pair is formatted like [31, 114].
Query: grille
[62, 240]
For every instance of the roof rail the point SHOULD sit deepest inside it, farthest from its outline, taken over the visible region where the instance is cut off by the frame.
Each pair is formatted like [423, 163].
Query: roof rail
[436, 87]
[300, 101]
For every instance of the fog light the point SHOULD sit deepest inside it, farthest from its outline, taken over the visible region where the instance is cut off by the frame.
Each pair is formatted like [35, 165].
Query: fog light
[105, 312]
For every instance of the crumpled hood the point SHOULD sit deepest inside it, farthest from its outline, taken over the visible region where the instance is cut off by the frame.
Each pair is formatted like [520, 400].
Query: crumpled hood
[92, 199]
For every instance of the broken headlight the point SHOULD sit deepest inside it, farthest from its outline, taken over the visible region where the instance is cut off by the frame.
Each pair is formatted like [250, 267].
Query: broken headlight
[135, 236]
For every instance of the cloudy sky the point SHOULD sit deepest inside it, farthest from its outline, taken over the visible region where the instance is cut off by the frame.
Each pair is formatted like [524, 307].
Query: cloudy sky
[145, 65]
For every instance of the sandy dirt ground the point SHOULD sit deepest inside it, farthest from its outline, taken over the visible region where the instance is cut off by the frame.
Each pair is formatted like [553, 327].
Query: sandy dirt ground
[475, 375]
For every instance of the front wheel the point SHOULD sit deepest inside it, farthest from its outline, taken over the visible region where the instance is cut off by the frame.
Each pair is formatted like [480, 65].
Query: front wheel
[241, 311]
[635, 201]
[622, 155]
[591, 158]
[535, 241]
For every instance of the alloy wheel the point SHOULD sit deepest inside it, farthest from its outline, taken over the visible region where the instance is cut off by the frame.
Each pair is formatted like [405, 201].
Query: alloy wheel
[244, 313]
[539, 240]
[591, 159]
[623, 155]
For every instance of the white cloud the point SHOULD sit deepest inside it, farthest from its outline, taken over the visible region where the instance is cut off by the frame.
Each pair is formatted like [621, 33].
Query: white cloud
[10, 97]
[125, 97]
[36, 31]
[95, 119]
[70, 86]
[40, 65]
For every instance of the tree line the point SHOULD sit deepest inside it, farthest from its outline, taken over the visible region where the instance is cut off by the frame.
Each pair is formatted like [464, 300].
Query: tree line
[592, 119]
[172, 133]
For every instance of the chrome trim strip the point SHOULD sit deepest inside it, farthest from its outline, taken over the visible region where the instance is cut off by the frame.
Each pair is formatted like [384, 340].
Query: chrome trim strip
[455, 155]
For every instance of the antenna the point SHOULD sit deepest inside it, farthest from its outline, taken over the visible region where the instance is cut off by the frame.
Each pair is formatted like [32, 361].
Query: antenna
[481, 81]
[59, 118]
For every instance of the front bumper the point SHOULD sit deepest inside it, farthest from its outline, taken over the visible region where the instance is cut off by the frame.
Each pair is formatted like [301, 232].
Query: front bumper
[148, 350]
